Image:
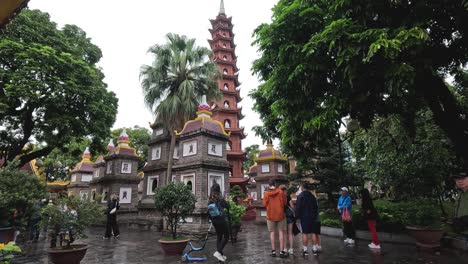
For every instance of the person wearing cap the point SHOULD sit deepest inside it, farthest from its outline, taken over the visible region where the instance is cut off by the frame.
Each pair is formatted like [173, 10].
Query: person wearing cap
[460, 221]
[345, 205]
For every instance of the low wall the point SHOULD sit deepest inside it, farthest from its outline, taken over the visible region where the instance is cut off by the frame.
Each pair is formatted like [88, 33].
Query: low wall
[366, 235]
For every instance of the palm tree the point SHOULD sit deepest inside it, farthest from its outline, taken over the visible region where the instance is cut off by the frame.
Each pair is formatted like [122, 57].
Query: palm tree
[179, 76]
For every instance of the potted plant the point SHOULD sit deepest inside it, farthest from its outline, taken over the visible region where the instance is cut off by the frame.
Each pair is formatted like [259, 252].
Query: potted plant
[7, 252]
[19, 192]
[236, 211]
[67, 220]
[175, 201]
[423, 220]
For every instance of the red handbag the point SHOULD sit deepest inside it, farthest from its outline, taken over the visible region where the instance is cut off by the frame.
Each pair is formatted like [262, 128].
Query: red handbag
[346, 215]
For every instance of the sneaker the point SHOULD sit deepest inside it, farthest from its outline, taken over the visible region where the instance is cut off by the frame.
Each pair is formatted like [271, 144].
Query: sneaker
[346, 241]
[218, 256]
[305, 253]
[350, 242]
[224, 257]
[374, 246]
[117, 236]
[283, 254]
[273, 253]
[319, 248]
[314, 251]
[291, 251]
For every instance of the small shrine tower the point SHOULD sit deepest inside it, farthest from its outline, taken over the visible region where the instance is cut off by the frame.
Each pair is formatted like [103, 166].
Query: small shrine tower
[81, 176]
[269, 164]
[202, 162]
[118, 174]
[227, 110]
[156, 166]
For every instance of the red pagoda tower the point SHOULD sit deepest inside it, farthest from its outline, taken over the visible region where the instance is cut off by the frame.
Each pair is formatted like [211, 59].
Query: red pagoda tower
[226, 110]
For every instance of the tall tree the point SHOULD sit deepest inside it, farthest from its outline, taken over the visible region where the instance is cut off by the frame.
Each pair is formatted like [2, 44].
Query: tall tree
[324, 60]
[405, 167]
[175, 82]
[51, 89]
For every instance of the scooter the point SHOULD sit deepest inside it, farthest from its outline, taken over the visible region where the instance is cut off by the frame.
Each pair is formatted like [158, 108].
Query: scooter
[186, 256]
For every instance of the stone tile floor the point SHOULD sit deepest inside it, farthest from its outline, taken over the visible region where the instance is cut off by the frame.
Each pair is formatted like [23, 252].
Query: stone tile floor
[253, 247]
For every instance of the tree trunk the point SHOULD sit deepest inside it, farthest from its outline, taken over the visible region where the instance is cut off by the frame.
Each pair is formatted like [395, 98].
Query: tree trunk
[171, 158]
[448, 115]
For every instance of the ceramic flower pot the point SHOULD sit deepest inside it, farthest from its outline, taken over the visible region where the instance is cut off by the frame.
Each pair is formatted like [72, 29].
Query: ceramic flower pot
[426, 238]
[173, 247]
[73, 255]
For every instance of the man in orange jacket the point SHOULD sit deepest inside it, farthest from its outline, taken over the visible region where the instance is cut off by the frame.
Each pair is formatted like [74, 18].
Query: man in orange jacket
[274, 199]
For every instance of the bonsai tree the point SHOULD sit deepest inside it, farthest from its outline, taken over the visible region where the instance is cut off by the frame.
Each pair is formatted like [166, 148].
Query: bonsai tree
[19, 192]
[237, 194]
[68, 218]
[175, 201]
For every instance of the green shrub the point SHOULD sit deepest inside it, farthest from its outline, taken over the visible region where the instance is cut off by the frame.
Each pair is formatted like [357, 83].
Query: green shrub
[236, 212]
[19, 192]
[176, 202]
[331, 222]
[422, 213]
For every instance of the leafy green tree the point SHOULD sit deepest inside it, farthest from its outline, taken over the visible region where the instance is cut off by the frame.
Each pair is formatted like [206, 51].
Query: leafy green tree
[173, 85]
[324, 60]
[51, 88]
[176, 202]
[57, 163]
[19, 192]
[402, 166]
[139, 138]
[252, 152]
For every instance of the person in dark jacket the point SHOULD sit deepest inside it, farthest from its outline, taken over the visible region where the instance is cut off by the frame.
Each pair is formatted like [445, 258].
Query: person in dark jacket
[220, 224]
[111, 225]
[307, 213]
[460, 220]
[369, 213]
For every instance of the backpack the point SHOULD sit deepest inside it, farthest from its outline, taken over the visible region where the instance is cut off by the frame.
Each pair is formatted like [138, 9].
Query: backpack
[213, 210]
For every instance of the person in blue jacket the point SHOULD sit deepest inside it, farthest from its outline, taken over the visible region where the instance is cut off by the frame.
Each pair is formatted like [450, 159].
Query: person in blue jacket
[307, 212]
[345, 203]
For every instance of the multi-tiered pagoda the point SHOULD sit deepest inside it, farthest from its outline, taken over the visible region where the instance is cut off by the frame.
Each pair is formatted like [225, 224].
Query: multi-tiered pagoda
[226, 110]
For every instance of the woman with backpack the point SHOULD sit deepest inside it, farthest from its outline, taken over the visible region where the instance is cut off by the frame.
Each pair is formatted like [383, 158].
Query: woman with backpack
[370, 215]
[216, 206]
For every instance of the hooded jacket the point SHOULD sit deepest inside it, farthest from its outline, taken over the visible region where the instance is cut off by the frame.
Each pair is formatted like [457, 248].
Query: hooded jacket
[275, 200]
[307, 207]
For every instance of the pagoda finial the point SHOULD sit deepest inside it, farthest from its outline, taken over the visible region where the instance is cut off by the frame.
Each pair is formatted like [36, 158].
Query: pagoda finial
[204, 108]
[123, 140]
[86, 154]
[221, 8]
[111, 145]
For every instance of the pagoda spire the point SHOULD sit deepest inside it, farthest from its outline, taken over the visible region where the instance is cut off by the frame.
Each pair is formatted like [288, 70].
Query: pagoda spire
[222, 11]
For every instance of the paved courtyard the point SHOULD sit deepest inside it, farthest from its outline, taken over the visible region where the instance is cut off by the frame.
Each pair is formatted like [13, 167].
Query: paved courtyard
[137, 246]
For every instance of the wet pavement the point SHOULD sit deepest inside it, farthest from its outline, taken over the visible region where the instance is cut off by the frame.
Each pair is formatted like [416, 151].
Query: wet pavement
[253, 247]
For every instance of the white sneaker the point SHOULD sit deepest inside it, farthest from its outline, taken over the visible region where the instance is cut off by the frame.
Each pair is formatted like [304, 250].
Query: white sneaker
[346, 240]
[291, 251]
[374, 246]
[319, 248]
[224, 257]
[351, 241]
[218, 256]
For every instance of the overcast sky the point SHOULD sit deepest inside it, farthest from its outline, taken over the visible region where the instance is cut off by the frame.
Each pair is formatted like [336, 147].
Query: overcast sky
[124, 30]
